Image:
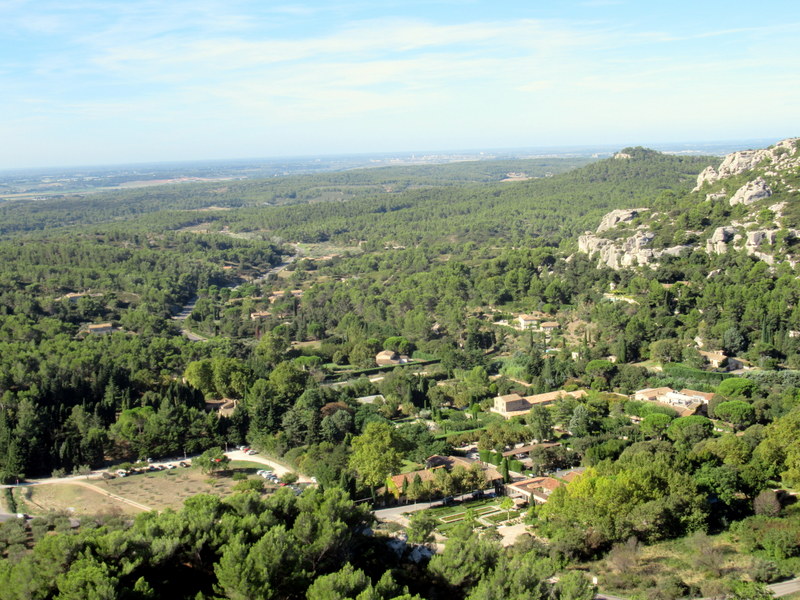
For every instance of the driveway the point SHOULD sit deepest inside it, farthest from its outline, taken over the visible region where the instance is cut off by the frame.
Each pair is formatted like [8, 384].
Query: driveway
[278, 468]
[395, 513]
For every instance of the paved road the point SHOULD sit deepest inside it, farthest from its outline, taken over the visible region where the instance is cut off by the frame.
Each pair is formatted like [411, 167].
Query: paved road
[395, 513]
[193, 336]
[51, 480]
[187, 308]
[784, 588]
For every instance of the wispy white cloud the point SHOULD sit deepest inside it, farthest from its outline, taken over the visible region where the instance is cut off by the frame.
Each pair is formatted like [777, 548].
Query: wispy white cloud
[180, 69]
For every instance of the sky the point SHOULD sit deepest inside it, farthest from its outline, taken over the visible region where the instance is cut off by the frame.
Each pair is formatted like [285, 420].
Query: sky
[111, 82]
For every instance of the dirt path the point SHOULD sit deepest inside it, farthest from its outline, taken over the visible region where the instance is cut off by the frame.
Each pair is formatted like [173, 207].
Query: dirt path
[99, 490]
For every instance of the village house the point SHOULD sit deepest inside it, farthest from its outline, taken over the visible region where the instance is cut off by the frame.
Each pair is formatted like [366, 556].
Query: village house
[704, 397]
[684, 397]
[715, 359]
[394, 484]
[75, 296]
[260, 314]
[651, 394]
[100, 328]
[281, 295]
[492, 475]
[685, 401]
[549, 326]
[534, 490]
[376, 398]
[513, 405]
[538, 489]
[390, 357]
[525, 322]
[509, 403]
[522, 452]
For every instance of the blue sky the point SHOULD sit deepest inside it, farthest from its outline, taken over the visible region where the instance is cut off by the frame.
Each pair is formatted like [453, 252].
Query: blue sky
[103, 82]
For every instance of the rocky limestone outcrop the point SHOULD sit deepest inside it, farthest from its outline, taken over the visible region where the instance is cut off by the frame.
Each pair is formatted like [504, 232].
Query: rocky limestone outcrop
[707, 175]
[721, 195]
[777, 208]
[630, 252]
[618, 216]
[781, 156]
[754, 239]
[719, 240]
[751, 192]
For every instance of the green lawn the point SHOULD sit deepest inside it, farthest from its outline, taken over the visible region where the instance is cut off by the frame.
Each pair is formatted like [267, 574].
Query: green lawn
[246, 465]
[504, 515]
[442, 511]
[410, 466]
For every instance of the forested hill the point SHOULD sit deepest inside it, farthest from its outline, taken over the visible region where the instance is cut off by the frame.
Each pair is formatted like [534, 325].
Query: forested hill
[506, 213]
[110, 206]
[751, 203]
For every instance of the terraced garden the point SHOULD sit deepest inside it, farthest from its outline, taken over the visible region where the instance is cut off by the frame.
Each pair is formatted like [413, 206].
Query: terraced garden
[486, 512]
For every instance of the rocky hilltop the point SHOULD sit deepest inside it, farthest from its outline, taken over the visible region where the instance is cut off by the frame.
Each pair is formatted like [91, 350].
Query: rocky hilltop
[750, 203]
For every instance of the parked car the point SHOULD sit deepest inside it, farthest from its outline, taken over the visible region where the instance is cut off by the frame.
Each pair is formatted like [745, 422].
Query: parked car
[251, 452]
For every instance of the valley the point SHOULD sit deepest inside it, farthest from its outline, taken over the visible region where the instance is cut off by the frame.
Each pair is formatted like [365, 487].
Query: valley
[591, 370]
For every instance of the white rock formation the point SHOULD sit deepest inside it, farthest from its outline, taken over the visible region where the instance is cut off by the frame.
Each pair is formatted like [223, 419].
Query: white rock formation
[707, 175]
[618, 216]
[750, 192]
[718, 242]
[782, 155]
[721, 195]
[755, 239]
[777, 208]
[630, 252]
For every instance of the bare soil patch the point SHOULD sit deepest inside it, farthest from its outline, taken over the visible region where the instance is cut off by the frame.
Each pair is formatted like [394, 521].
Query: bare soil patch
[71, 498]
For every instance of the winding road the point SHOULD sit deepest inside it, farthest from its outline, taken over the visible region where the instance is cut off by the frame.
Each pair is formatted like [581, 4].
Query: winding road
[187, 308]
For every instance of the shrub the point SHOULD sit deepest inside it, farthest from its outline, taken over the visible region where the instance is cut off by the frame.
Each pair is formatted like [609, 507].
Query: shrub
[289, 477]
[767, 504]
[249, 485]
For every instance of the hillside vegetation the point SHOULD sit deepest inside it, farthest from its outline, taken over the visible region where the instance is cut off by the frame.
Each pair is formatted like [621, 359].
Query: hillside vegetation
[288, 289]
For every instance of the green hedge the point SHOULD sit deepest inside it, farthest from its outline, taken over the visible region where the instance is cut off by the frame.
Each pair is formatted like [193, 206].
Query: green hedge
[684, 372]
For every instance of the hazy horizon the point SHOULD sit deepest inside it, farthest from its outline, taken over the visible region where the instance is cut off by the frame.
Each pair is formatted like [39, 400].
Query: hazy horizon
[143, 81]
[711, 147]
